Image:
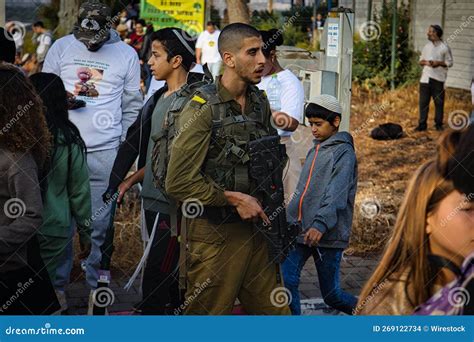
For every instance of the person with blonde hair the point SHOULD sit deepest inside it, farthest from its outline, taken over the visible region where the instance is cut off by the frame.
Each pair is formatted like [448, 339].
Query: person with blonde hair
[432, 236]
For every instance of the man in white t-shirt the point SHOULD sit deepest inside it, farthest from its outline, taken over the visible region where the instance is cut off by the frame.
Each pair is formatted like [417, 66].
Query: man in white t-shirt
[104, 72]
[435, 59]
[207, 50]
[43, 39]
[291, 106]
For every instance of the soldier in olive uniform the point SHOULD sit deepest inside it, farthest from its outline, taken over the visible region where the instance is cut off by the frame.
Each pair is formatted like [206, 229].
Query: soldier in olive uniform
[227, 258]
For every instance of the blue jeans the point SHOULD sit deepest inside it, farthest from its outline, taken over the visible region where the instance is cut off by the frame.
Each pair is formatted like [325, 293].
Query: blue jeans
[327, 262]
[100, 165]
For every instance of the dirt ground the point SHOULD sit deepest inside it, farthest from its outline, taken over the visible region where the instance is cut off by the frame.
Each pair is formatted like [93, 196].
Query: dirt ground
[384, 169]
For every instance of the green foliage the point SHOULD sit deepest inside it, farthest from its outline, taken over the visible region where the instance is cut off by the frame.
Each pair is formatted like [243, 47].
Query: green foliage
[372, 58]
[48, 14]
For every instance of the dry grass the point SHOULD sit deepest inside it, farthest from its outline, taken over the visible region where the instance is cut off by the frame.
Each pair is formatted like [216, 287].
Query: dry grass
[384, 169]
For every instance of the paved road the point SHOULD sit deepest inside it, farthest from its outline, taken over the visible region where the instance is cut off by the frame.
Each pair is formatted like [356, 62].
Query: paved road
[355, 271]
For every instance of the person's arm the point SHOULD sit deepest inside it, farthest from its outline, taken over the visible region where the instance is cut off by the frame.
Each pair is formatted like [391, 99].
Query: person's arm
[26, 206]
[447, 62]
[52, 60]
[198, 55]
[135, 178]
[79, 194]
[184, 179]
[337, 192]
[292, 106]
[285, 122]
[199, 44]
[132, 99]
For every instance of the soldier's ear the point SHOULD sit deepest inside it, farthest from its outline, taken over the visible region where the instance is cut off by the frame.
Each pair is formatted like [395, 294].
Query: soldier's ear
[228, 59]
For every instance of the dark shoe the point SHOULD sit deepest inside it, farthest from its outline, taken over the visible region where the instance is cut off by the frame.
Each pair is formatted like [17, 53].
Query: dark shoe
[439, 128]
[420, 128]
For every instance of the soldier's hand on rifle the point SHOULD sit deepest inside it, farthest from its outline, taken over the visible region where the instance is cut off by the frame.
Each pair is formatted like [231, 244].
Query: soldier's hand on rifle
[247, 206]
[312, 237]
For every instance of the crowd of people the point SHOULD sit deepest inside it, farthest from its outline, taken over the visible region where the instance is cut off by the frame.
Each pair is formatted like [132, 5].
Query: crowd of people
[72, 133]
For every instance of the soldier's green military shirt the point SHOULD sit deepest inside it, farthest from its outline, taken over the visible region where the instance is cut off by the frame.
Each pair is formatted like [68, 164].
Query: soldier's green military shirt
[184, 177]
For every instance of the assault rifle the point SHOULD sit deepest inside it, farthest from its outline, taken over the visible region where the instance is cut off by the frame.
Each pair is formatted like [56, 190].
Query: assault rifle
[267, 161]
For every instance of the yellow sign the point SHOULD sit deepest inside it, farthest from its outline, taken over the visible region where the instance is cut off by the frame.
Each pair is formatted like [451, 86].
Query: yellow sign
[188, 15]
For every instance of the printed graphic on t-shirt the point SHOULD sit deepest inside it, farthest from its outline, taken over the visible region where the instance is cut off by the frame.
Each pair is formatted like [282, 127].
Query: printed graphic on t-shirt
[88, 78]
[212, 43]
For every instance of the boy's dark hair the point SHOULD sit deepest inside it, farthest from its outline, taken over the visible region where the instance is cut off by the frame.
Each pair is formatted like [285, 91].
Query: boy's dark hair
[39, 24]
[232, 35]
[177, 43]
[313, 110]
[210, 23]
[438, 30]
[271, 39]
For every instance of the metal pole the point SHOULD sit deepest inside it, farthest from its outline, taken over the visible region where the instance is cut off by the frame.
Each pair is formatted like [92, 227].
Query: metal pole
[369, 10]
[394, 43]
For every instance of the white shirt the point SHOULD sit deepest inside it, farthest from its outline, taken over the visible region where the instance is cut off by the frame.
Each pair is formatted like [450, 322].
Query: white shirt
[292, 96]
[436, 52]
[44, 42]
[98, 78]
[208, 43]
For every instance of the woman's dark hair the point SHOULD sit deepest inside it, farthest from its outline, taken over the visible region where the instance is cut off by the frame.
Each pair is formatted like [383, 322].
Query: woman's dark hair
[51, 89]
[141, 22]
[313, 110]
[7, 46]
[183, 45]
[22, 121]
[438, 30]
[271, 39]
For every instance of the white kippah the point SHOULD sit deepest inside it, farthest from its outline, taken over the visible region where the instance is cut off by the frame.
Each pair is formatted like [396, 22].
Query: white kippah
[327, 101]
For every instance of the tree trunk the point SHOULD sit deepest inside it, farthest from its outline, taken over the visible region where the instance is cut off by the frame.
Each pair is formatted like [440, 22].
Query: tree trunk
[68, 12]
[238, 11]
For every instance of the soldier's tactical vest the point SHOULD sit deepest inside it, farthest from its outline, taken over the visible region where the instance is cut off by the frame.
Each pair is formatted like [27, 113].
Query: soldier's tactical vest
[164, 139]
[227, 161]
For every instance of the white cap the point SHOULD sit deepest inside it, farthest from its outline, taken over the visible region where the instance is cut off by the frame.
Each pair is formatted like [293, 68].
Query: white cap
[327, 101]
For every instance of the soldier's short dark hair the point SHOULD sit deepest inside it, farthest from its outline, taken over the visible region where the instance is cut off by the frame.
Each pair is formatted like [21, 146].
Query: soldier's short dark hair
[232, 35]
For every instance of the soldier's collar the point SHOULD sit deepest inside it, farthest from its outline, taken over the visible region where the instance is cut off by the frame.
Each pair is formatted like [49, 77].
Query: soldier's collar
[225, 95]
